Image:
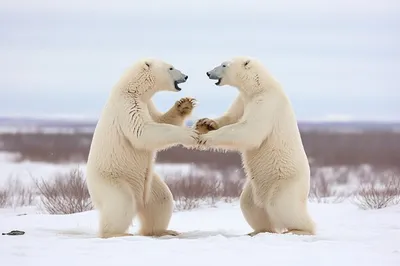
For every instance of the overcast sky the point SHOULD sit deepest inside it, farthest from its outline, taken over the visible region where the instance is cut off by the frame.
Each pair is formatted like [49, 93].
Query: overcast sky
[337, 59]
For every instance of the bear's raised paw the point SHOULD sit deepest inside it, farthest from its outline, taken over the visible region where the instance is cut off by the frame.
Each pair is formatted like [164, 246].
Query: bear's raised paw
[185, 105]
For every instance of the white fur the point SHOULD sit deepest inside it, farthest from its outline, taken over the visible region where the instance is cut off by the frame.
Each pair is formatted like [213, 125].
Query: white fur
[128, 134]
[261, 125]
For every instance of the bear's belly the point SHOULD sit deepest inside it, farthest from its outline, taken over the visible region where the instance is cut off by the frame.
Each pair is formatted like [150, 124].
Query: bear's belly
[121, 161]
[269, 164]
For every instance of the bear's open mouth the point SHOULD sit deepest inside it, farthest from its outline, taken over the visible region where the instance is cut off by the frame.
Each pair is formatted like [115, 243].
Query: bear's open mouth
[176, 83]
[218, 82]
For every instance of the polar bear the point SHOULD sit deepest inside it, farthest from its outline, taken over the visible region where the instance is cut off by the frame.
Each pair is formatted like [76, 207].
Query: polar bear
[261, 125]
[130, 131]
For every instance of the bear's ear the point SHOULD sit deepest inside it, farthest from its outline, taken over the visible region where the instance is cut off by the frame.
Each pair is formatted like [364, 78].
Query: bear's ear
[146, 65]
[247, 64]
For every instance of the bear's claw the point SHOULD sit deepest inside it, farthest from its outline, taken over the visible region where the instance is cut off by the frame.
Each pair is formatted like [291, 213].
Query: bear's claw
[163, 233]
[205, 125]
[185, 105]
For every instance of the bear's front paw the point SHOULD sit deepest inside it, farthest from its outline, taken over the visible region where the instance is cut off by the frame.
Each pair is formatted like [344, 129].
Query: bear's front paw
[205, 125]
[185, 105]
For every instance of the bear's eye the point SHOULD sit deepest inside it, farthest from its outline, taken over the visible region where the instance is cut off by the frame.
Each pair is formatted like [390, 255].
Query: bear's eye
[223, 65]
[246, 63]
[171, 68]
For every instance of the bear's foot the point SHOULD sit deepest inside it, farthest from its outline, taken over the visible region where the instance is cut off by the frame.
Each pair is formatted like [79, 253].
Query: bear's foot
[161, 233]
[256, 232]
[168, 233]
[110, 235]
[298, 232]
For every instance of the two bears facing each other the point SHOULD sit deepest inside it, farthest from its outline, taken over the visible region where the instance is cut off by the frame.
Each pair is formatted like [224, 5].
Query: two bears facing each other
[260, 124]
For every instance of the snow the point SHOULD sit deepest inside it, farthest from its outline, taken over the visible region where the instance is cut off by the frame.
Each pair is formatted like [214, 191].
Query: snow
[210, 236]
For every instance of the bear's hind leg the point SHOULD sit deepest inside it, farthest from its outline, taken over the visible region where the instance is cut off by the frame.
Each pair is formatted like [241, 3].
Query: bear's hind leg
[117, 209]
[290, 210]
[300, 223]
[255, 216]
[156, 214]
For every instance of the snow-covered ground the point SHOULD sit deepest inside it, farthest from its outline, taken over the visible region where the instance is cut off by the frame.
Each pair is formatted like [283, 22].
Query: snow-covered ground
[211, 236]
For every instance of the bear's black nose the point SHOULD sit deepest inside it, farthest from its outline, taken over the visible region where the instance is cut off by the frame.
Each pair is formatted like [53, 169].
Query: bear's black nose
[208, 74]
[186, 77]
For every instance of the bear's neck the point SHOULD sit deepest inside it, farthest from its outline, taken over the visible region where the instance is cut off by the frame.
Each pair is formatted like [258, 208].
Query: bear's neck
[142, 87]
[256, 88]
[145, 97]
[140, 100]
[250, 92]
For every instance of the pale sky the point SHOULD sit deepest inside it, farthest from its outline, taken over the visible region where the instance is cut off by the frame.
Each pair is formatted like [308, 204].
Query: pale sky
[337, 59]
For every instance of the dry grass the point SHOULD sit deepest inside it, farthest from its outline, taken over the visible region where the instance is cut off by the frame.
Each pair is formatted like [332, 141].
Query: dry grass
[231, 189]
[189, 191]
[4, 197]
[321, 186]
[381, 192]
[377, 189]
[65, 194]
[379, 149]
[15, 193]
[320, 191]
[22, 194]
[194, 190]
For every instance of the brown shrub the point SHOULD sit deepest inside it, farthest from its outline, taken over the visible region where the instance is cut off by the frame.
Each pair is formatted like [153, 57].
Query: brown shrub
[322, 191]
[22, 194]
[191, 191]
[231, 188]
[379, 193]
[65, 194]
[5, 197]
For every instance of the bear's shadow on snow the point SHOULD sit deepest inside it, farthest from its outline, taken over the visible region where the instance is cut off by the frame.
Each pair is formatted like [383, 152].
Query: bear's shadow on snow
[196, 234]
[202, 234]
[206, 234]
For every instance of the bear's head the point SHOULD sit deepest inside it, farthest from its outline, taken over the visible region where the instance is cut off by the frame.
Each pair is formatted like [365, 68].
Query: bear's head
[152, 75]
[241, 72]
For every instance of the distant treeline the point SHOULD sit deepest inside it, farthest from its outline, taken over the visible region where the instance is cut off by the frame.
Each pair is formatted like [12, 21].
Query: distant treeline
[377, 148]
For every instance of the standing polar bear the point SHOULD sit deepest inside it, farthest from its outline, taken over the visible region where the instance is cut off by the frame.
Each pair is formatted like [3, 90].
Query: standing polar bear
[261, 125]
[128, 134]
